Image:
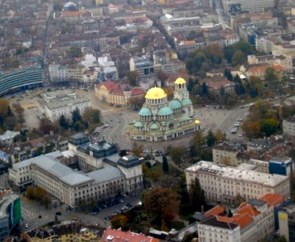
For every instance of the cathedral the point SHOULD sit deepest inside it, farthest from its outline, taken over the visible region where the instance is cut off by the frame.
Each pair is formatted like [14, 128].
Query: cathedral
[160, 119]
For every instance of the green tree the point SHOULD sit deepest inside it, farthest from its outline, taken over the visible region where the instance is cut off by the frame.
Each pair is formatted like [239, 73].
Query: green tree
[75, 52]
[210, 139]
[238, 58]
[63, 122]
[76, 116]
[269, 126]
[176, 153]
[196, 194]
[165, 165]
[161, 204]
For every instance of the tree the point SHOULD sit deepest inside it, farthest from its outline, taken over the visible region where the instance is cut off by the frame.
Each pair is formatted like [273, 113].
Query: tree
[198, 140]
[238, 200]
[76, 116]
[91, 117]
[219, 136]
[119, 221]
[176, 153]
[4, 104]
[269, 126]
[251, 129]
[210, 139]
[63, 122]
[196, 194]
[75, 52]
[46, 126]
[161, 204]
[137, 149]
[132, 78]
[165, 166]
[238, 58]
[270, 75]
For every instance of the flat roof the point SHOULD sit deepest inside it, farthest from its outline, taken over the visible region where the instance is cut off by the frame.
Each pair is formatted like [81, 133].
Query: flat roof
[237, 174]
[62, 172]
[105, 174]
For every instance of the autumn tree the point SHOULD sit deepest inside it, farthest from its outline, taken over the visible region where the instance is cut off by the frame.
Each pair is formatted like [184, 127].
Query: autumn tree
[92, 117]
[196, 194]
[219, 136]
[119, 221]
[251, 128]
[238, 200]
[46, 126]
[132, 78]
[137, 149]
[161, 204]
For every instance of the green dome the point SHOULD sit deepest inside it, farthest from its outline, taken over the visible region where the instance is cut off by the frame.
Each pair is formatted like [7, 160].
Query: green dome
[154, 126]
[138, 124]
[186, 102]
[165, 111]
[174, 104]
[145, 112]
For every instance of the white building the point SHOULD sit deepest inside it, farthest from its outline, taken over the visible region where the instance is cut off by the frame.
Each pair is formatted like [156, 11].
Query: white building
[222, 183]
[68, 185]
[63, 102]
[289, 126]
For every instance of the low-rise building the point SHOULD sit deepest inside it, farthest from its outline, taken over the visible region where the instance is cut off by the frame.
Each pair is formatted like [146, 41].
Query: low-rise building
[143, 66]
[63, 102]
[223, 183]
[226, 154]
[282, 166]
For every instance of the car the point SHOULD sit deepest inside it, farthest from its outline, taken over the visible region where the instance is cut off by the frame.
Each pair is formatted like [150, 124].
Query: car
[26, 226]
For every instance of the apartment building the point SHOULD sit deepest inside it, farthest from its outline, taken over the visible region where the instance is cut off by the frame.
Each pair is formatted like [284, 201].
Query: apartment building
[223, 183]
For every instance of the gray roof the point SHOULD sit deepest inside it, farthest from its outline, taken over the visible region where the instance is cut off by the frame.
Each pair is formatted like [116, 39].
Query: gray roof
[54, 167]
[105, 174]
[62, 172]
[8, 135]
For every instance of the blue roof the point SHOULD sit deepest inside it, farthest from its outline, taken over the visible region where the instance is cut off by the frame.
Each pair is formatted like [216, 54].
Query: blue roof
[145, 112]
[174, 104]
[186, 102]
[165, 111]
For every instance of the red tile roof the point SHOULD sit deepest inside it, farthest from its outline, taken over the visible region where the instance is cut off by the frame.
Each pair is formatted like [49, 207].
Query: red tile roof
[137, 91]
[272, 199]
[121, 236]
[217, 210]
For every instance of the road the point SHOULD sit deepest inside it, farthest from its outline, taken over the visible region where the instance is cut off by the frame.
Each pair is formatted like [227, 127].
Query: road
[31, 212]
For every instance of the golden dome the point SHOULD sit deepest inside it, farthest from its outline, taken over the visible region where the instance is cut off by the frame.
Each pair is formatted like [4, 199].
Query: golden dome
[197, 121]
[180, 80]
[155, 93]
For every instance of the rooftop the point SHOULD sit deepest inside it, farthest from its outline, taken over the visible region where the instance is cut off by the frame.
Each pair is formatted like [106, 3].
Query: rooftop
[62, 98]
[105, 174]
[237, 174]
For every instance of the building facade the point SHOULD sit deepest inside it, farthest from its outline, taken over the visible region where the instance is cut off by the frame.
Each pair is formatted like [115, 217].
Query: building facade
[287, 222]
[10, 213]
[160, 119]
[224, 184]
[22, 79]
[63, 102]
[117, 94]
[289, 126]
